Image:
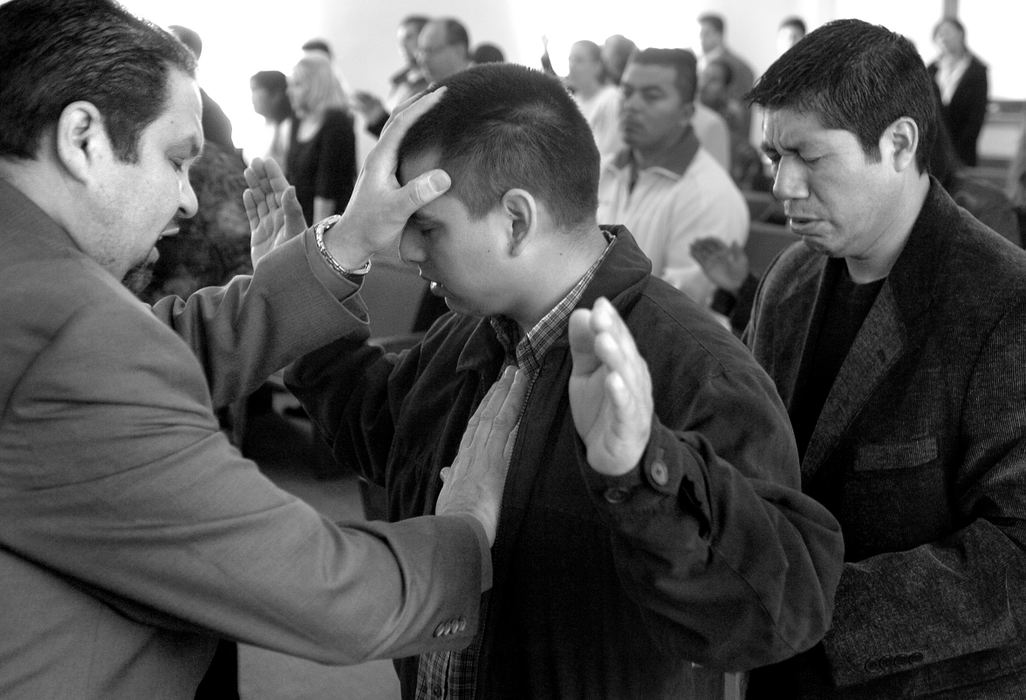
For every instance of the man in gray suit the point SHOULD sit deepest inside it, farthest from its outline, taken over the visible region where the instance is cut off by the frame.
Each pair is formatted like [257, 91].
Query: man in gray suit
[132, 534]
[895, 335]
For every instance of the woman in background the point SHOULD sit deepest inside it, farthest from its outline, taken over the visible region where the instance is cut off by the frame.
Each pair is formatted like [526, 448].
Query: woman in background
[321, 159]
[961, 81]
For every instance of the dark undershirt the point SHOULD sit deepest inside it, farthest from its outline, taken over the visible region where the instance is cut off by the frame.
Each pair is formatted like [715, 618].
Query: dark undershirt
[847, 305]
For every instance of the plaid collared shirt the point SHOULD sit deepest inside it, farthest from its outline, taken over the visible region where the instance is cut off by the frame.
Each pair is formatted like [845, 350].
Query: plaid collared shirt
[453, 674]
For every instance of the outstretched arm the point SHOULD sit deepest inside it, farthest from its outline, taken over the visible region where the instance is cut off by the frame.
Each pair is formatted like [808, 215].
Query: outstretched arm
[248, 329]
[697, 478]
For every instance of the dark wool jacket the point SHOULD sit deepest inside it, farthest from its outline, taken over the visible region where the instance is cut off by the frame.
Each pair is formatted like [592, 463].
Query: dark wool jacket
[920, 452]
[706, 553]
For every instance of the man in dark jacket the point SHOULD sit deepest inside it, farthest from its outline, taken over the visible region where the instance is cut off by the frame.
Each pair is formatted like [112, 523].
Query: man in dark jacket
[648, 530]
[894, 334]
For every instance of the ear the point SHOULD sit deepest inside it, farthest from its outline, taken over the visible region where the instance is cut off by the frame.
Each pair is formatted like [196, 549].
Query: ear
[899, 143]
[80, 138]
[521, 211]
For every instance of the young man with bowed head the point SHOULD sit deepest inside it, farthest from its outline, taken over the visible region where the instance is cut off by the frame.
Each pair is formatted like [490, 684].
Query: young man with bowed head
[132, 534]
[894, 334]
[648, 526]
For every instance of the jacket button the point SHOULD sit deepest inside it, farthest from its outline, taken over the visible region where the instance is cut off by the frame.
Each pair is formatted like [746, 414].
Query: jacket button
[439, 629]
[659, 474]
[616, 494]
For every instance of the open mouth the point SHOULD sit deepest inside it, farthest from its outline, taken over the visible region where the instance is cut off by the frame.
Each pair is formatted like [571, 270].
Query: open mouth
[434, 287]
[799, 222]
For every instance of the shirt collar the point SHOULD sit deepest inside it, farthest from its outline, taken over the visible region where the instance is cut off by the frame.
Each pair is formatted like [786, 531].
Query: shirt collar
[527, 351]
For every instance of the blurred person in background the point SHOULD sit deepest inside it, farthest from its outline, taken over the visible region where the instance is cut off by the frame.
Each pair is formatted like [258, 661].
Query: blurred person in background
[403, 84]
[598, 99]
[616, 51]
[443, 49]
[744, 162]
[712, 38]
[664, 185]
[789, 33]
[321, 160]
[487, 53]
[216, 126]
[961, 80]
[270, 96]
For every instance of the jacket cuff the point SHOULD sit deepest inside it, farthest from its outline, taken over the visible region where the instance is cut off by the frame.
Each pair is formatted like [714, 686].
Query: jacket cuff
[668, 474]
[486, 549]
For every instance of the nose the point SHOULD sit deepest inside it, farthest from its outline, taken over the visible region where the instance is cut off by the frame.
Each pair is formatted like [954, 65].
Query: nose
[789, 181]
[411, 246]
[188, 205]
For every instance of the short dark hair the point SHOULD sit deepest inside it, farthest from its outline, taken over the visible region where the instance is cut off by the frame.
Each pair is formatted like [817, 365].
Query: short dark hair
[276, 84]
[274, 81]
[857, 77]
[487, 53]
[455, 33]
[502, 126]
[682, 61]
[417, 21]
[55, 53]
[794, 21]
[713, 20]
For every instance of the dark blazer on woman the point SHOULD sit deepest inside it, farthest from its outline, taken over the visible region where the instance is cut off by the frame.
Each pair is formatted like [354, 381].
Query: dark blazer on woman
[965, 113]
[325, 165]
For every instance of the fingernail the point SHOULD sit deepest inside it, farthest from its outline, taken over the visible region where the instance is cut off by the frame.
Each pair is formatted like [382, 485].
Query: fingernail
[439, 181]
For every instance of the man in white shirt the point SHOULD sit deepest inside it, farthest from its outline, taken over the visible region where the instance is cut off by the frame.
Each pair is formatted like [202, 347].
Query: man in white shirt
[664, 186]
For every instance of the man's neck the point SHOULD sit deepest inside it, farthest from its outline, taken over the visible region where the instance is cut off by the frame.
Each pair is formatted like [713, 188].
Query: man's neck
[644, 157]
[556, 271]
[714, 52]
[880, 258]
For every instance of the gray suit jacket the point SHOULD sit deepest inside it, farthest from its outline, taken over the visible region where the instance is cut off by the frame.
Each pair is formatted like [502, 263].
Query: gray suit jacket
[920, 452]
[132, 533]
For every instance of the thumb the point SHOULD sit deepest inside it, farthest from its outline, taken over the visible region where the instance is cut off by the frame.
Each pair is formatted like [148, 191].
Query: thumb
[426, 188]
[582, 342]
[295, 222]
